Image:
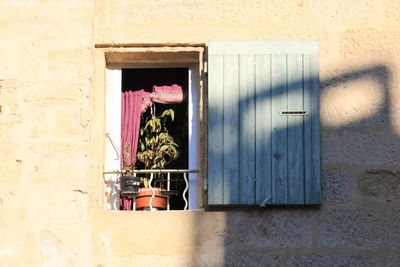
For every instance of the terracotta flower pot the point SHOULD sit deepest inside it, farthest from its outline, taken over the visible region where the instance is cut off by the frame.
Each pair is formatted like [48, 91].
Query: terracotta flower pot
[144, 196]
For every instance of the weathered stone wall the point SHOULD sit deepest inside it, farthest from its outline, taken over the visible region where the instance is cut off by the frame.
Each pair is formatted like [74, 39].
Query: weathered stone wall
[52, 117]
[46, 74]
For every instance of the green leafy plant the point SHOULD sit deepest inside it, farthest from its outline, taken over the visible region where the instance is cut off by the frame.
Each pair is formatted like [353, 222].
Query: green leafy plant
[157, 147]
[128, 168]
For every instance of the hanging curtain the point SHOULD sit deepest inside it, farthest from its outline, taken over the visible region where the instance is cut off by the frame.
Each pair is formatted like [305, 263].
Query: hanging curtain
[168, 94]
[133, 105]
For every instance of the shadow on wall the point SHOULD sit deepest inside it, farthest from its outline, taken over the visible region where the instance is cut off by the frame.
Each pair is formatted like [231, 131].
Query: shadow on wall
[360, 189]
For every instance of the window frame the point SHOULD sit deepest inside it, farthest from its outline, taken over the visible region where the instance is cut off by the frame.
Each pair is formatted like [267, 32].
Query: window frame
[112, 73]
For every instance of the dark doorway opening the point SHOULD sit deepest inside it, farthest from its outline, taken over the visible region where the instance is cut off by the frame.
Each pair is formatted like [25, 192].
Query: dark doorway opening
[145, 78]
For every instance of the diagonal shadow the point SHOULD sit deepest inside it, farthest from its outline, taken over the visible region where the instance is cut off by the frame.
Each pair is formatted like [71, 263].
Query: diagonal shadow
[264, 229]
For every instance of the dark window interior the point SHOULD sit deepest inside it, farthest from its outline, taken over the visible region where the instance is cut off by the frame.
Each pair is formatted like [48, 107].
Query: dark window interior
[137, 79]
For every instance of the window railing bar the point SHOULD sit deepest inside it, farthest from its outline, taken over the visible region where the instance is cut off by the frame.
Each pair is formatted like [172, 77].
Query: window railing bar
[153, 171]
[184, 191]
[168, 187]
[152, 192]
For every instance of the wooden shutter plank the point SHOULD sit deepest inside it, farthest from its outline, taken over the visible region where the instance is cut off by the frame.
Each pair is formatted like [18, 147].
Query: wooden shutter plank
[307, 95]
[215, 130]
[311, 131]
[247, 129]
[231, 130]
[315, 193]
[263, 129]
[279, 134]
[295, 130]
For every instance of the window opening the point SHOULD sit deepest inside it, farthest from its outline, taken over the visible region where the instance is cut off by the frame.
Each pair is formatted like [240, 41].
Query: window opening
[135, 79]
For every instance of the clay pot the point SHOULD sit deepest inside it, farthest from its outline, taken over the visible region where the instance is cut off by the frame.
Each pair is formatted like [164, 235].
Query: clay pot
[144, 196]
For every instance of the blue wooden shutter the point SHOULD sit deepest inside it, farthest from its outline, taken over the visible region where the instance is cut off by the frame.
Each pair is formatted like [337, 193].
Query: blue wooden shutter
[261, 148]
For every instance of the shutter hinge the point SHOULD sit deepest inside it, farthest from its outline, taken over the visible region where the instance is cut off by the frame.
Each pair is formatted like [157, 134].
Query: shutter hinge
[205, 185]
[205, 66]
[266, 202]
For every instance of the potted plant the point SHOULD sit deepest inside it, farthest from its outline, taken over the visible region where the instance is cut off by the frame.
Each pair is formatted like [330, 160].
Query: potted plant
[157, 149]
[129, 183]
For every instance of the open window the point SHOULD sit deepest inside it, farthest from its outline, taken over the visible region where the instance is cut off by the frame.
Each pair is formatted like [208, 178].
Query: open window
[135, 71]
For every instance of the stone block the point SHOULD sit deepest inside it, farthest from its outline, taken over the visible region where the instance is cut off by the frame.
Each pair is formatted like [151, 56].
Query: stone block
[54, 252]
[270, 228]
[208, 259]
[356, 97]
[380, 185]
[148, 260]
[393, 261]
[335, 185]
[10, 64]
[360, 227]
[70, 63]
[64, 118]
[381, 42]
[335, 260]
[360, 146]
[61, 162]
[54, 93]
[10, 113]
[9, 164]
[341, 11]
[16, 241]
[249, 258]
[391, 10]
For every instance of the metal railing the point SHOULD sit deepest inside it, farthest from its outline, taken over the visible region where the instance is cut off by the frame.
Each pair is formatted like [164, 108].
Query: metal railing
[184, 172]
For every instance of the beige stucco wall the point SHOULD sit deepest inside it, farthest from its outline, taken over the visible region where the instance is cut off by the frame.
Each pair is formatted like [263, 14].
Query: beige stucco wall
[51, 120]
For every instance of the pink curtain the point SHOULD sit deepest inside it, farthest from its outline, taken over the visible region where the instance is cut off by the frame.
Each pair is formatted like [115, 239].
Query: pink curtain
[133, 105]
[168, 94]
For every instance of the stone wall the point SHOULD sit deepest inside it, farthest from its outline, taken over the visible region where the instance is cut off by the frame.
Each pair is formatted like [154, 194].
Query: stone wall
[52, 117]
[45, 86]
